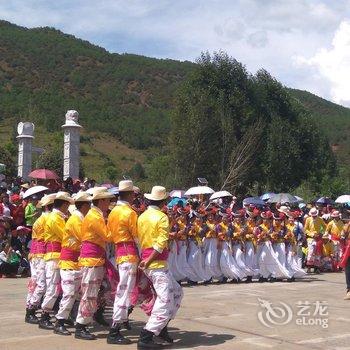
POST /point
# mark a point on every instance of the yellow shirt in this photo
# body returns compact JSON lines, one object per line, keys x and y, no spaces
{"x":153,"y":232}
{"x":54,"y":230}
{"x":94,"y":229}
{"x":314,"y":226}
{"x":122,"y":224}
{"x":237,"y":231}
{"x":211,"y":233}
{"x":72,"y":239}
{"x":38,"y":230}
{"x":327,"y":249}
{"x":335,"y":228}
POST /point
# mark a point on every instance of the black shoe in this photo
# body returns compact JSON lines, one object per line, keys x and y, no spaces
{"x":262,"y":279}
{"x":146,"y":341}
{"x":130,"y":310}
{"x":115,"y":337}
{"x":69,"y":322}
{"x":272,"y":279}
{"x":60,"y":328}
{"x":31,"y":317}
{"x":81,"y":332}
{"x":165,"y":335}
{"x":126,"y":325}
{"x":45,"y":322}
{"x":99,"y":318}
{"x":249,"y":279}
{"x":292,"y":279}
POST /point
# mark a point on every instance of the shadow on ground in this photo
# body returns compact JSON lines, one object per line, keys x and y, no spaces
{"x":182,"y":339}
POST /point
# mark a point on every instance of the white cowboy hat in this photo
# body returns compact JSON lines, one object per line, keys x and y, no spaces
{"x":126,"y":186}
{"x":313,"y":212}
{"x":102,"y":193}
{"x":82,"y":196}
{"x":46,"y":200}
{"x":64,"y":196}
{"x":335,"y":214}
{"x":92,"y":190}
{"x":158,"y":193}
{"x":285,"y":210}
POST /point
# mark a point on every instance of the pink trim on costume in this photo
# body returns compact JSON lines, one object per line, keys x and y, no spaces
{"x":40,"y":247}
{"x":53,"y":247}
{"x":69,"y":254}
{"x":126,"y":248}
{"x":34,"y":247}
{"x":145,"y":254}
{"x":91,"y":250}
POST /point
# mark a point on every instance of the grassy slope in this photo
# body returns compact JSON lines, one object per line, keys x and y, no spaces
{"x":124,"y":100}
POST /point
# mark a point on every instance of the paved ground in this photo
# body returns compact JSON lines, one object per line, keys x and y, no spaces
{"x":214,"y":317}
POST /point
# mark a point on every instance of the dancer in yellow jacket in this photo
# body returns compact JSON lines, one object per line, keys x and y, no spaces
{"x":153,"y":232}
{"x":37,"y":283}
{"x":94,"y":235}
{"x":122,"y":224}
{"x":334,"y":229}
{"x":54,"y":230}
{"x":69,"y":266}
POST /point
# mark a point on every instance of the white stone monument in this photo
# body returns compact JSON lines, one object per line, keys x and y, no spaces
{"x":25,"y":139}
{"x":71,"y":152}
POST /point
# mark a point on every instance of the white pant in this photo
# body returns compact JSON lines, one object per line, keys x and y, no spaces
{"x":33,"y":279}
{"x":40,"y":285}
{"x":90,"y":286}
{"x":53,"y":279}
{"x":127,"y":279}
{"x":169,"y":296}
{"x":70,"y":282}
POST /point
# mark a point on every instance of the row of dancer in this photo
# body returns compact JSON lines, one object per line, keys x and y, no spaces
{"x":68,"y":262}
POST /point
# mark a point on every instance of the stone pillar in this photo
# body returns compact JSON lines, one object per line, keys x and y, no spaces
{"x":25,"y":138}
{"x":71,"y":152}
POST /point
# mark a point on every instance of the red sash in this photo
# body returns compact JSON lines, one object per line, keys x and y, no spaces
{"x":53,"y":247}
{"x":40,"y":247}
{"x":69,"y":254}
{"x":145,"y":254}
{"x":126,"y":248}
{"x":34,"y":247}
{"x":91,"y":250}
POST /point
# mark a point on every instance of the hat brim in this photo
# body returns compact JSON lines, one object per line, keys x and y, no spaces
{"x":102,"y":196}
{"x":151,"y":198}
{"x":133,"y":189}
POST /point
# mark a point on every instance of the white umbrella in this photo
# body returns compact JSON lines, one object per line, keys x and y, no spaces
{"x":301,"y":200}
{"x":199,"y":190}
{"x":34,"y":190}
{"x":345,"y":198}
{"x":220,"y":194}
{"x":176,"y":193}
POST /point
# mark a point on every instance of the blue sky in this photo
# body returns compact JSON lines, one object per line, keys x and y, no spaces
{"x":303,"y":43}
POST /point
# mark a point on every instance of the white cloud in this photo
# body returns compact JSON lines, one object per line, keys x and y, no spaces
{"x":333,"y":64}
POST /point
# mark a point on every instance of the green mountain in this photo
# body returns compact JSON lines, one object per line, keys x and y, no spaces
{"x":124,"y":100}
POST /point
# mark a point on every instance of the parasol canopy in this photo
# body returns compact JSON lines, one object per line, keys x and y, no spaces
{"x":254,"y":201}
{"x":199,"y":190}
{"x":177,"y":201}
{"x":267,"y":196}
{"x":325,"y":201}
{"x":300,"y":200}
{"x":283,"y":198}
{"x":345,"y":198}
{"x":176,"y":193}
{"x":43,"y":174}
{"x":34,"y":190}
{"x":220,"y":194}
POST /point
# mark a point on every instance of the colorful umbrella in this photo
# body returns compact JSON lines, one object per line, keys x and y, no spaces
{"x":267,"y":196}
{"x":345,"y":198}
{"x":254,"y":201}
{"x":34,"y":190}
{"x":199,"y":190}
{"x":43,"y":174}
{"x":220,"y":194}
{"x":283,"y":198}
{"x":325,"y":201}
{"x":176,"y":193}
